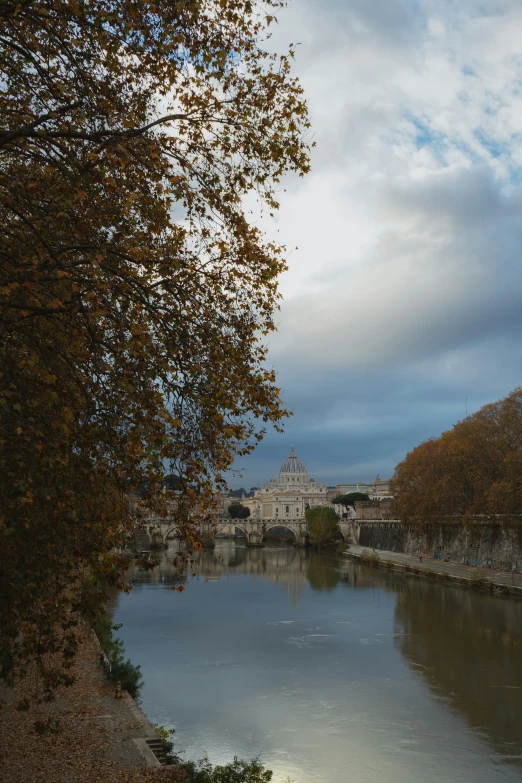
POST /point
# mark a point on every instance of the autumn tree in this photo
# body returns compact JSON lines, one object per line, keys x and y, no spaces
{"x":135,"y":290}
{"x":323,"y":525}
{"x":474,"y":468}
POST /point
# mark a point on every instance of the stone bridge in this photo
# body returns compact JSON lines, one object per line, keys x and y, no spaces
{"x":492,"y":539}
{"x":161,"y":530}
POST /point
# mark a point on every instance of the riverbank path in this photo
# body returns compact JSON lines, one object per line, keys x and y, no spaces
{"x":452,"y":569}
{"x":85,"y":735}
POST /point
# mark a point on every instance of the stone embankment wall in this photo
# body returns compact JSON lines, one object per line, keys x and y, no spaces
{"x":483,"y":542}
{"x":381,"y":535}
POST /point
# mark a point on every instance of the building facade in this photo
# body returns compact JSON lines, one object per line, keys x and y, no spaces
{"x":378,"y":489}
{"x":288,"y":495}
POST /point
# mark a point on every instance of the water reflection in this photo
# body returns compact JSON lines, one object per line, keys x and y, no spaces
{"x":323,"y":572}
{"x":286,"y":565}
{"x":302,"y":656}
{"x":467,"y":647}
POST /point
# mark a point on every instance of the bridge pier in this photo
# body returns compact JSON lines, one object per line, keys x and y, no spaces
{"x":156,"y":540}
{"x":302,"y":538}
{"x":255,"y":538}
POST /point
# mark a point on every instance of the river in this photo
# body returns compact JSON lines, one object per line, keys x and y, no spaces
{"x":330,"y":670}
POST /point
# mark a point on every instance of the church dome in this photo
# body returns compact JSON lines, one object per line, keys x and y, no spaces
{"x":293,"y":465}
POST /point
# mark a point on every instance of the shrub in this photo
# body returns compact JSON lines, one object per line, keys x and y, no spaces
{"x":238,"y":771}
{"x":168,"y":745}
{"x":370,"y":558}
{"x":128,"y":675}
{"x":123,"y":670}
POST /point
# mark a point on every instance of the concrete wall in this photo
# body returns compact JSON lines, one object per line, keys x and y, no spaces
{"x":493,"y":540}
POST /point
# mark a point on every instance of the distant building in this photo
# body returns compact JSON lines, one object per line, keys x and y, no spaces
{"x":289,"y":494}
{"x":346,"y":489}
{"x":378,"y":489}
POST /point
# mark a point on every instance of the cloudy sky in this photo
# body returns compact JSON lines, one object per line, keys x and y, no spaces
{"x":404,"y":296}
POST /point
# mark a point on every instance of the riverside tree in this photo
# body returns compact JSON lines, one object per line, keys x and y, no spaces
{"x":474,"y":468}
{"x":238,"y":511}
{"x":135,"y":294}
{"x":323,"y":525}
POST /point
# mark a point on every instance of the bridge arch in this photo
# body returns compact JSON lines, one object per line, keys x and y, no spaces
{"x":279,"y":526}
{"x":169,"y":533}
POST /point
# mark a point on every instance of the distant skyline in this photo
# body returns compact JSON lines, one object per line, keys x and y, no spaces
{"x":404,"y":296}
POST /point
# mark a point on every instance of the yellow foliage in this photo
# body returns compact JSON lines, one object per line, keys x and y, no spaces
{"x":133,"y":289}
{"x":474,"y":468}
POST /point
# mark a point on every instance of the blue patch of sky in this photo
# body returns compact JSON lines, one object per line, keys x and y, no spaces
{"x":425,"y":136}
{"x":494,"y":147}
{"x":439,"y":143}
{"x":515,"y":177}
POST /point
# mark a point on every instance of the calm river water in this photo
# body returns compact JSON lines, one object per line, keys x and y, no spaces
{"x":330,"y":670}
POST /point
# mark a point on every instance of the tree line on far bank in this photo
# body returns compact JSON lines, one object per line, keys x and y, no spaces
{"x":475,"y":468}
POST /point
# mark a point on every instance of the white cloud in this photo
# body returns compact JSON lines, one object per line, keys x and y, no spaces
{"x":409,"y":228}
